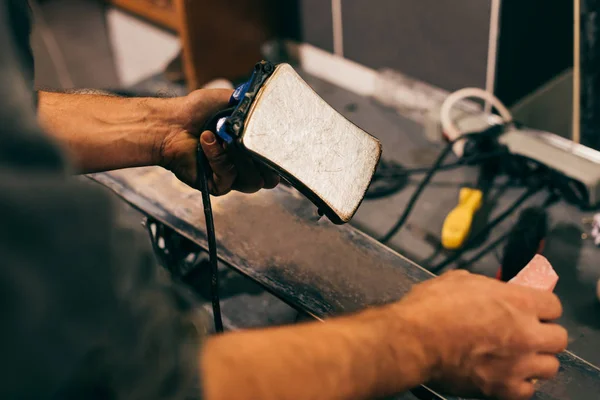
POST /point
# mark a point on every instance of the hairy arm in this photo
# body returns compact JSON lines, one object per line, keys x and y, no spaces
{"x":103,"y":132}
{"x":485,"y":339}
{"x":375,"y":353}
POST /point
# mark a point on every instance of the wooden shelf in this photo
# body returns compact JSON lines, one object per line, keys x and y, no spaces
{"x":220,"y":39}
{"x":161,"y":12}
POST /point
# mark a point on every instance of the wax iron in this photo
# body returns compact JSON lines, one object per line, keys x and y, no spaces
{"x":280,"y":121}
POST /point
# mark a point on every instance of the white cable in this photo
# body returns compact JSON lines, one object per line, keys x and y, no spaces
{"x":449,"y":127}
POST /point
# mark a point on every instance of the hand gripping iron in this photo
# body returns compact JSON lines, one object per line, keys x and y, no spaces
{"x":280,"y":121}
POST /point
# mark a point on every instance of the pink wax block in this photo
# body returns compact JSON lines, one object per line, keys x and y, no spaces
{"x":538,"y":274}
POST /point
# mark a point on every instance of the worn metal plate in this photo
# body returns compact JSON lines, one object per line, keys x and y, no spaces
{"x":324,"y":269}
{"x":289,"y":123}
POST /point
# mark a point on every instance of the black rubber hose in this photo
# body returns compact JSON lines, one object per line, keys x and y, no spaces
{"x":204,"y":173}
{"x":203,"y":170}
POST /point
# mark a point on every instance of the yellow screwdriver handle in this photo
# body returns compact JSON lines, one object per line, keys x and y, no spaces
{"x":457,"y":225}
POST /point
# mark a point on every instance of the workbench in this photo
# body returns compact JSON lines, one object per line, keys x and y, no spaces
{"x":325,"y":270}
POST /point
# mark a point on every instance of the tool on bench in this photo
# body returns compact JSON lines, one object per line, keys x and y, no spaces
{"x":278,"y":120}
{"x":525,"y":240}
{"x":458,"y":223}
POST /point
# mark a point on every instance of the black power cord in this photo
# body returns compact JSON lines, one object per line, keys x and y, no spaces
{"x":411,"y":203}
{"x":436,"y":167}
{"x":482,"y":253}
{"x":202,"y":161}
{"x":483,"y":232}
{"x":391,"y":177}
{"x":391,"y":169}
{"x":204,"y":174}
{"x":525,"y":240}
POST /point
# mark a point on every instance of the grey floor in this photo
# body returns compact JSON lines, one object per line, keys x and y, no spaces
{"x":89,"y":60}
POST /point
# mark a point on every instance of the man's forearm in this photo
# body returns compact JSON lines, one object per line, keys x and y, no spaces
{"x":103,"y":132}
{"x":358,"y":357}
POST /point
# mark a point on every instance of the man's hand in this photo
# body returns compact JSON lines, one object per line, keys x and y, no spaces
{"x":486,"y":337}
{"x":461,"y":333}
{"x":102,"y":133}
{"x":231,"y":170}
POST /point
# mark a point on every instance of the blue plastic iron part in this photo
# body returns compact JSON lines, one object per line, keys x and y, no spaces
{"x":229,"y":124}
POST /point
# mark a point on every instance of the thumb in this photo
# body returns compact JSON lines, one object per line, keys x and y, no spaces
{"x":224,"y":171}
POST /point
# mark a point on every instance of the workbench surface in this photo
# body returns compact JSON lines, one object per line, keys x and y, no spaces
{"x":276,"y":238}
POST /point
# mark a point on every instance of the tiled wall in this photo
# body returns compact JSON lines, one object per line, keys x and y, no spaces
{"x":445,"y":42}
